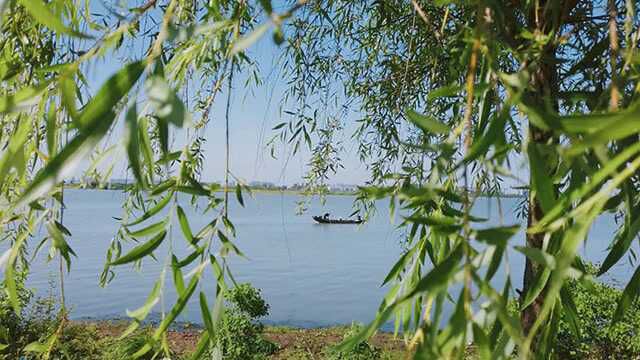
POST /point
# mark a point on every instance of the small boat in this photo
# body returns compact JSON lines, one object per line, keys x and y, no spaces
{"x":326,"y":220}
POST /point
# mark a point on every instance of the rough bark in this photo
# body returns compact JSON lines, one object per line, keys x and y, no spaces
{"x":544,"y":86}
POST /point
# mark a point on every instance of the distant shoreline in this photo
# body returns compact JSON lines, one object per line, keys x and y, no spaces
{"x":120,"y":186}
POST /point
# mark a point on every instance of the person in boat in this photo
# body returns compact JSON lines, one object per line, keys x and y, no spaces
{"x":359,"y":218}
{"x":326,"y":216}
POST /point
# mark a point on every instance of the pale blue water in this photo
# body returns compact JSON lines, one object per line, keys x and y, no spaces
{"x":311,"y":275}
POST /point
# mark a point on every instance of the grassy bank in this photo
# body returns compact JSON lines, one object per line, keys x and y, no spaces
{"x":99,"y":340}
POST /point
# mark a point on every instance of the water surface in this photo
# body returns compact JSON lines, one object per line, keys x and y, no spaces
{"x":311,"y":275}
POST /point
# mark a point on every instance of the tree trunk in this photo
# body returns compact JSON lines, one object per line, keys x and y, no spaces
{"x":544,"y":86}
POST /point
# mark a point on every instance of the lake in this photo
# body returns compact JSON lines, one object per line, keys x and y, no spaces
{"x":311,"y":275}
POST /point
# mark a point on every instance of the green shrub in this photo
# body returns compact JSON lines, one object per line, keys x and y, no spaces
{"x":596,"y":304}
{"x":240,"y":333}
{"x":116,"y":349}
{"x":37,"y":320}
{"x":80,"y":342}
{"x":362,"y":351}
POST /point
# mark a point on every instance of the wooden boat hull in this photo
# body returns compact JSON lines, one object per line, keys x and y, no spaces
{"x":321,"y":220}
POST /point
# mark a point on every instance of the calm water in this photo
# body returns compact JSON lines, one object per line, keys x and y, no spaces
{"x":311,"y":275}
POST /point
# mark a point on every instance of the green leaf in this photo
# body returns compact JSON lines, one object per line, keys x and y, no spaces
{"x":96,"y":118}
{"x":141,"y":251}
{"x":145,"y":142}
{"x":16,"y":145}
{"x":152,"y":299}
{"x":9,"y":274}
{"x":150,"y":230}
{"x":239,"y":195}
{"x":166,"y":103}
{"x":68,"y":91}
{"x":618,"y":126}
{"x":481,"y":342}
{"x":227,"y":244}
{"x":426,"y":123}
{"x":481,"y":146}
{"x":629,"y":295}
{"x":438,"y":278}
{"x":206,"y":314}
{"x":202,"y":346}
{"x":133,"y":144}
{"x":570,"y":311}
{"x":178,"y":279}
{"x":193,"y":190}
{"x":536,"y":288}
{"x":171,"y":316}
{"x":248,"y":40}
{"x":191,"y":257}
{"x":52,"y":131}
{"x":497,"y":235}
{"x":440,"y":222}
{"x":60,"y":243}
{"x":597,"y":178}
{"x":110,"y":94}
{"x":399,"y":265}
{"x":266,"y":5}
{"x":444,"y":91}
{"x":163,"y":187}
{"x":40,"y":11}
{"x":154,"y":210}
{"x":22,"y":98}
{"x":184,"y":225}
{"x":538,"y":255}
{"x":621,"y":244}
{"x":542,"y":179}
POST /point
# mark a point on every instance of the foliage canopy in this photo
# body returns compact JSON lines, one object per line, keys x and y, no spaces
{"x":454,"y":96}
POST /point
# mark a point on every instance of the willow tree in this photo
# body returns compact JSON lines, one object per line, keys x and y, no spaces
{"x":151,"y":114}
{"x":488,"y":86}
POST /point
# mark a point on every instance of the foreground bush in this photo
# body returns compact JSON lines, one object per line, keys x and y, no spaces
{"x":362,"y":351}
{"x":599,"y":338}
{"x":240,"y":332}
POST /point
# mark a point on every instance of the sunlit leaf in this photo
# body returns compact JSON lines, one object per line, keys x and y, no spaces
{"x":248,"y":40}
{"x":161,"y":204}
{"x":40,"y":11}
{"x":141,"y":251}
{"x":150,"y":229}
{"x":133,"y":144}
{"x":630,"y":294}
{"x":426,"y":123}
{"x":184,"y":225}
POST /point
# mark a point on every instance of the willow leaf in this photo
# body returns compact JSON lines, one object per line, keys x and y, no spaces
{"x":248,"y":40}
{"x":497,"y":235}
{"x":132,"y":142}
{"x":439,"y":276}
{"x":570,"y":311}
{"x":621,"y":244}
{"x":96,"y":119}
{"x":152,"y":299}
{"x":178,"y":279}
{"x":40,"y":11}
{"x":16,"y":145}
{"x":426,"y":123}
{"x":630,"y":294}
{"x":542,"y":181}
{"x":111,"y":93}
{"x":154,"y":210}
{"x":206,"y":314}
{"x":538,"y":255}
{"x":184,"y":225}
{"x":150,"y":230}
{"x":141,"y":251}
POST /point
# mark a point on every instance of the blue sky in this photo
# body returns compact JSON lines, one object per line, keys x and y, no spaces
{"x":253,"y":113}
